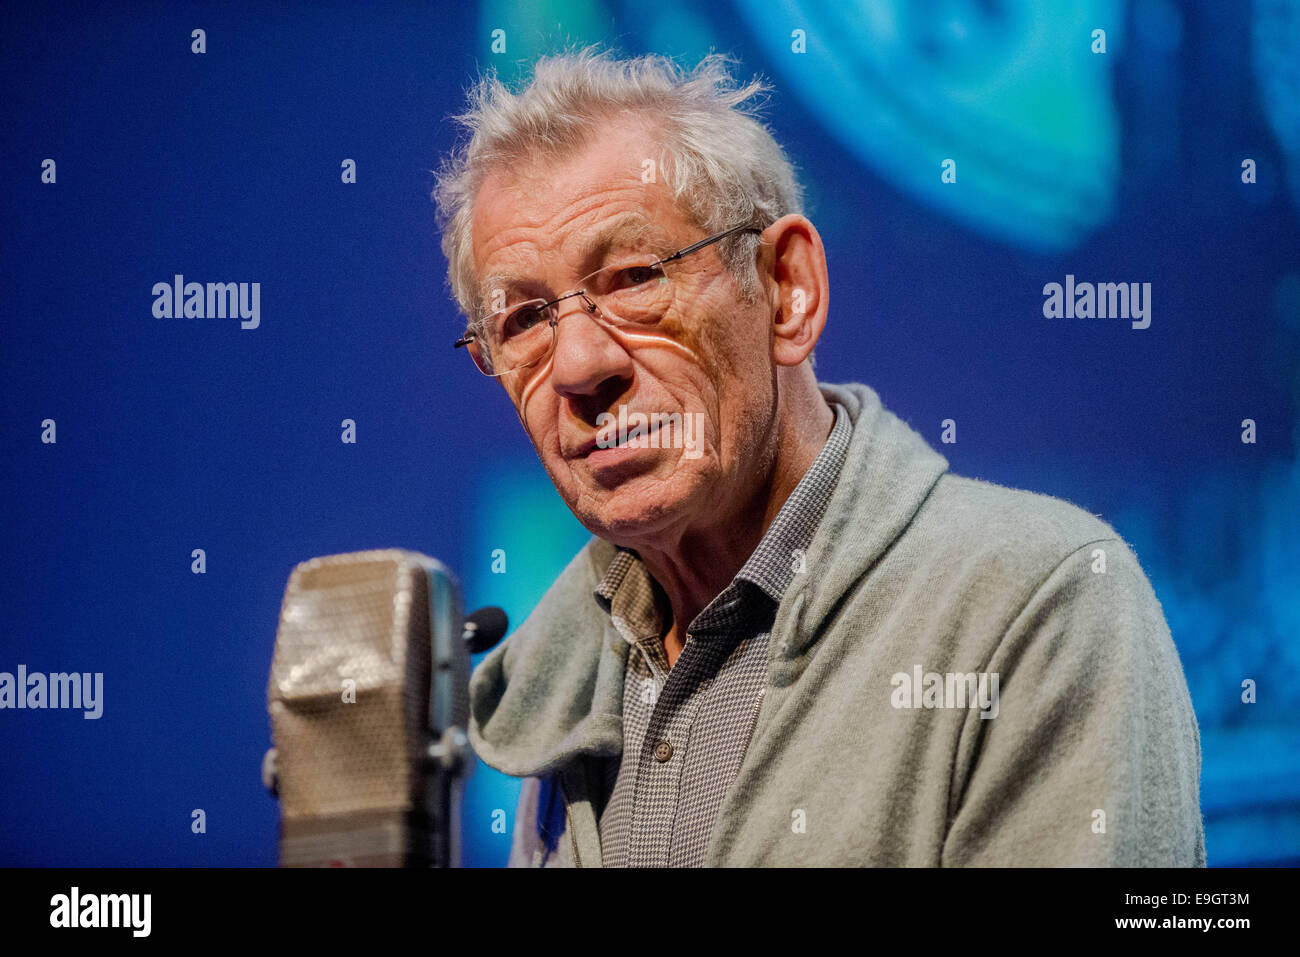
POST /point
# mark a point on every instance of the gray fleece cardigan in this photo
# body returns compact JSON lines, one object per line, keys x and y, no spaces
{"x":1092,"y":758}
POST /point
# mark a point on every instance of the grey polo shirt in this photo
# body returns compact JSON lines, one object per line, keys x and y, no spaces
{"x":685,"y":729}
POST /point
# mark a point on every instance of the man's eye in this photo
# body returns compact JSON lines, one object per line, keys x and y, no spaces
{"x":633,"y":276}
{"x":524,"y":318}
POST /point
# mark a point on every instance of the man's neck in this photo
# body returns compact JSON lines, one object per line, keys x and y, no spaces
{"x":702,"y":563}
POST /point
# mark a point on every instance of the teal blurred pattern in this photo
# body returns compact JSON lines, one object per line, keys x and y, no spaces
{"x":1012,"y":91}
{"x":1275,"y":35}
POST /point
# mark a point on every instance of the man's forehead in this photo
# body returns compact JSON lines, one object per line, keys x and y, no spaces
{"x":608,"y":170}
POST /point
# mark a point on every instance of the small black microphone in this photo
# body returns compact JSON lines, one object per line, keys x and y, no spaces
{"x":484,"y":628}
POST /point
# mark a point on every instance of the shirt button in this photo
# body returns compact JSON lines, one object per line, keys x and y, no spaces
{"x":663,"y":751}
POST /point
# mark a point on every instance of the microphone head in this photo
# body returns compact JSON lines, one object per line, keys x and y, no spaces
{"x":484,"y":628}
{"x":366,"y":642}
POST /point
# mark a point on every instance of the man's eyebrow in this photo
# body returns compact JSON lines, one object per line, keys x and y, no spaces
{"x":628,"y":230}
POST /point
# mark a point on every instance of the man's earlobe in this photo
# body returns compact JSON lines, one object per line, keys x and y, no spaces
{"x":798,"y":322}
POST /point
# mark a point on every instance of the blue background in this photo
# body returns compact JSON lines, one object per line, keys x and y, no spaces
{"x":176,"y":434}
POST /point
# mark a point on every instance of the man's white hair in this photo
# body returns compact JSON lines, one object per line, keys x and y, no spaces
{"x":718,"y":160}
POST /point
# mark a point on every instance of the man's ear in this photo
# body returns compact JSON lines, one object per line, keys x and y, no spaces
{"x":799,"y":287}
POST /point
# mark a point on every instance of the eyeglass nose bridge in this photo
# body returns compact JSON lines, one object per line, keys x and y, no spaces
{"x":589,"y":306}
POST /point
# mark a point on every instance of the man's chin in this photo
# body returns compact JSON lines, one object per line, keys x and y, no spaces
{"x":635,"y":510}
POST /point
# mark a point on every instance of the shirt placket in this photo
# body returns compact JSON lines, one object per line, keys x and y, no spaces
{"x":663,"y":754}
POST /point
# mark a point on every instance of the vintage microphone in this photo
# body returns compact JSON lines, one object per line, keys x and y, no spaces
{"x":368,"y":701}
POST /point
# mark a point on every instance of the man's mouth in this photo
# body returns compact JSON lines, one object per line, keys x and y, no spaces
{"x":633,"y":437}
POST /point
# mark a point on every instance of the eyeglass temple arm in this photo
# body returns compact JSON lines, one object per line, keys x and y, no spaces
{"x":694,"y":247}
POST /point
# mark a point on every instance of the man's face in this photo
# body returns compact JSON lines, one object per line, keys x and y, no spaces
{"x":710,"y":358}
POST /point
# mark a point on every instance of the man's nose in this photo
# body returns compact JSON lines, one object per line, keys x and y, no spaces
{"x":587,"y":355}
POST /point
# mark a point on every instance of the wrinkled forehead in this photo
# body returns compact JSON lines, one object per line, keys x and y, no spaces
{"x":554,"y":215}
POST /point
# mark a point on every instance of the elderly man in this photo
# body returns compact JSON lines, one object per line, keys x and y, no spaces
{"x":795,"y":638}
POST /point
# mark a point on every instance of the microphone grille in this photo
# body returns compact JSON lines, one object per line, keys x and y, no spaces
{"x":349,"y":688}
